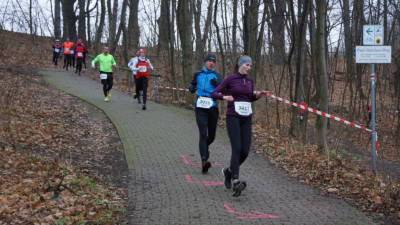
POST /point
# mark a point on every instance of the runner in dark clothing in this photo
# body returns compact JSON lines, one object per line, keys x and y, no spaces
{"x":57,"y":48}
{"x":239,"y":87}
{"x":205,"y":81}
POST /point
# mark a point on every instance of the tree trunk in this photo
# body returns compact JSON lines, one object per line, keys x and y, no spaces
{"x":234,"y":27}
{"x":301,"y":64}
{"x":122,"y":26}
{"x":201,"y":39}
{"x":89,"y":38}
{"x":278,"y":33}
{"x":133,"y":26}
{"x":82,"y":21}
{"x":69,"y":19}
{"x":57,"y":18}
{"x":184,"y":19}
{"x":163,"y":21}
{"x":113,"y":28}
{"x":323,"y":75}
{"x":221,"y":50}
{"x":99,"y":31}
{"x":250,"y":32}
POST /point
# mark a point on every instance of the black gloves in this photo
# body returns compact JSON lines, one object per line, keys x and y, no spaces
{"x":214,"y":82}
{"x":192,"y":88}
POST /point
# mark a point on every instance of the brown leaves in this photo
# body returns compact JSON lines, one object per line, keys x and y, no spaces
{"x":45,"y":137}
{"x":336,"y":174}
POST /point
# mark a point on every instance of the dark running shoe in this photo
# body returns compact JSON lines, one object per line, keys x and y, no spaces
{"x":238,"y":187}
{"x":205,"y":166}
{"x":144,"y":107}
{"x":228,"y":178}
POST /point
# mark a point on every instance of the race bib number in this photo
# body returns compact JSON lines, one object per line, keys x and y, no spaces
{"x":67,"y":49}
{"x":243,"y":108}
{"x":142,"y":69}
{"x":204,"y":102}
{"x":72,"y":51}
{"x":103,"y":76}
{"x":80,"y":54}
{"x":57,"y":50}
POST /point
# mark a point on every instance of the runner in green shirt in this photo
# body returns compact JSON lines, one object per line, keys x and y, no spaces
{"x":106,"y":62}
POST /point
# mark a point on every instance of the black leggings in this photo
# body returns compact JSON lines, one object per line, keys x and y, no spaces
{"x":239,"y":131}
{"x":207,"y":122}
{"x":107,"y":83}
{"x":79,"y":64}
{"x":141,"y":85}
{"x":67,"y":60}
{"x":55,"y":57}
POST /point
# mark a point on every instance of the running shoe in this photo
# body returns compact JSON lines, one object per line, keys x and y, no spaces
{"x":238,"y":187}
{"x":205,"y":166}
{"x":139,"y":101}
{"x":106,"y":99}
{"x":108,"y":94}
{"x":228,"y":178}
{"x":144,"y":107}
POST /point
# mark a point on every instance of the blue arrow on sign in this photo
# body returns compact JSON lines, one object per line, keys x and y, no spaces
{"x":369,"y":31}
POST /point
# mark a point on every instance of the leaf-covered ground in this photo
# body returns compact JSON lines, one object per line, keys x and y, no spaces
{"x":61,"y":159}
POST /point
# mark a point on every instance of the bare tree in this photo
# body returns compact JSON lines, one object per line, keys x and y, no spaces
{"x":201,"y":39}
{"x":133,"y":26}
{"x":57,"y":18}
{"x":185,"y":21}
{"x":113,"y":27}
{"x":81,"y":20}
{"x":323,"y":75}
{"x":69,"y":19}
{"x":99,"y":31}
{"x":163,"y":22}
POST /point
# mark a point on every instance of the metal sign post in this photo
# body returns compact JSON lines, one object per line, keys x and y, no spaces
{"x":375,"y":53}
{"x":373,"y":118}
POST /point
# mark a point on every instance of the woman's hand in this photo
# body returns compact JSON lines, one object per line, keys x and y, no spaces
{"x":228,"y":98}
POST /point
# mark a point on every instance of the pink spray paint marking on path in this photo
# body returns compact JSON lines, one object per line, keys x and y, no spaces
{"x":197,"y":164}
{"x":204,"y":183}
{"x":256,"y":215}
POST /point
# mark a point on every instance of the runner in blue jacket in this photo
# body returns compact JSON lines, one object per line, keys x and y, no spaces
{"x":203,"y":83}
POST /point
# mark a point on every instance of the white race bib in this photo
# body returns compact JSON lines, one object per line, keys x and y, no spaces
{"x":243,"y":108}
{"x":204,"y":102}
{"x":80,"y":54}
{"x":57,"y":50}
{"x":142,"y":69}
{"x":103,"y":76}
{"x":67,"y":49}
{"x":72,"y":52}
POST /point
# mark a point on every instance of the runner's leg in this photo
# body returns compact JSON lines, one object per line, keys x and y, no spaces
{"x":104,"y":82}
{"x":212,"y":126}
{"x":144,"y":87}
{"x":110,"y":81}
{"x":245,"y":134}
{"x":202,"y":122}
{"x":233,"y":126}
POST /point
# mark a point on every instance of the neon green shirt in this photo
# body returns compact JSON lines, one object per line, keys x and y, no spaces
{"x":105,"y":61}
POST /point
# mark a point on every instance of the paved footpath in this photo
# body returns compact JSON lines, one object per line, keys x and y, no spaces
{"x":166,"y":185}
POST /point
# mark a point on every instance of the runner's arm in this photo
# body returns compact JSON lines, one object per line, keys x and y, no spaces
{"x":151,"y":66}
{"x":133,"y":66}
{"x":193,"y":83}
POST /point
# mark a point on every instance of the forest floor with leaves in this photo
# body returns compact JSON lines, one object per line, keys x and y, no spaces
{"x":62,"y":161}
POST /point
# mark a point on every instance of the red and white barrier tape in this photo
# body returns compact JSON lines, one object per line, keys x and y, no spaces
{"x":301,"y":107}
{"x":171,"y":88}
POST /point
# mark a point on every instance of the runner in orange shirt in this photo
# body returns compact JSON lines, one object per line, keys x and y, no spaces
{"x":67,"y":46}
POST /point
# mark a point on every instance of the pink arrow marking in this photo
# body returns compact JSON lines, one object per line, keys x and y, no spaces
{"x":197,"y":164}
{"x":257,"y":215}
{"x":205,"y":183}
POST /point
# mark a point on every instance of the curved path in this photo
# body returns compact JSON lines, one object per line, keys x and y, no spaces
{"x":166,"y":185}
